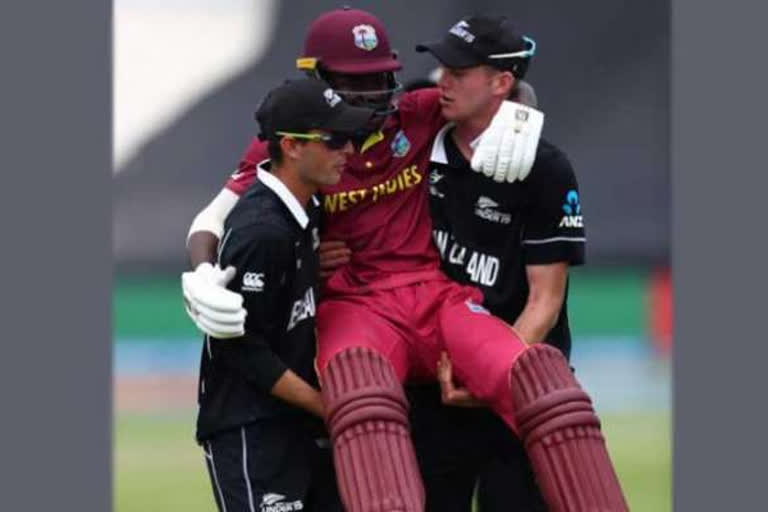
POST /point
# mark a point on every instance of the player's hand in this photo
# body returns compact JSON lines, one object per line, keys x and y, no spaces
{"x":451,"y":395}
{"x":215,"y":310}
{"x":332,"y":255}
{"x":505,"y":151}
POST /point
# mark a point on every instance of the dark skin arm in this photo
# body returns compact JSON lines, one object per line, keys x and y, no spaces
{"x":296,"y":391}
{"x":201,"y":248}
{"x":332,"y":254}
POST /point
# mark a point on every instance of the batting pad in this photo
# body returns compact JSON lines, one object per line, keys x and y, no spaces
{"x":562,"y":436}
{"x":367,"y":417}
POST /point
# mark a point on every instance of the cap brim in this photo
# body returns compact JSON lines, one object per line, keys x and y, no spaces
{"x":362,"y":66}
{"x":349,"y":119}
{"x":450,"y":55}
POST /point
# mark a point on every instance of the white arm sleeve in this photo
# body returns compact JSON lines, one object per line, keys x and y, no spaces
{"x":211,"y":218}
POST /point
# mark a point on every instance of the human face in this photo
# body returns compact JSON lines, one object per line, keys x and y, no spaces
{"x":371,"y":90}
{"x":361,"y":89}
{"x":321,"y":162}
{"x":469,"y":93}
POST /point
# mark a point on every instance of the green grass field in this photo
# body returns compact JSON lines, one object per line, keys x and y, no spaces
{"x":159,"y":467}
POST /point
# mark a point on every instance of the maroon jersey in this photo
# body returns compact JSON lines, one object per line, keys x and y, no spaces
{"x":380,"y":207}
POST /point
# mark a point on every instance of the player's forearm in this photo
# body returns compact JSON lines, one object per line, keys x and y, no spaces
{"x":293,"y":389}
{"x":207,"y":227}
{"x":546,"y":294}
{"x":201,"y":247}
{"x":536,"y":320}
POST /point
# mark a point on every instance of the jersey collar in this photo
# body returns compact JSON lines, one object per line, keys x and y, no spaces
{"x":438,"y":146}
{"x":286,"y":196}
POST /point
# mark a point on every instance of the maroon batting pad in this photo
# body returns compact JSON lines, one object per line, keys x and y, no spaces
{"x":367,"y":417}
{"x":562,"y":436}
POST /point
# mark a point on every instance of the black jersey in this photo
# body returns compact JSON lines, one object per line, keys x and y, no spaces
{"x":272,"y":241}
{"x":487,"y":232}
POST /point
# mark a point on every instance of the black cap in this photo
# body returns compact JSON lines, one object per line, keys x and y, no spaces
{"x":478,"y":40}
{"x":309,"y":104}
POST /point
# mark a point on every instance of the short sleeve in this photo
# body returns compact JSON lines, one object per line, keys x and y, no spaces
{"x":553,"y":225}
{"x":422,"y":107}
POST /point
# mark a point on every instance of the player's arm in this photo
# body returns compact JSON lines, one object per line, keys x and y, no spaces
{"x":215,"y":310}
{"x":254,"y":359}
{"x":332,"y":255}
{"x":546,"y":284}
{"x":293,"y":389}
{"x":207,"y":227}
{"x":266,"y":258}
{"x":553,"y":239}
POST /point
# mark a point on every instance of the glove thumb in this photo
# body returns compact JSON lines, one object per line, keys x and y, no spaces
{"x":228,"y":275}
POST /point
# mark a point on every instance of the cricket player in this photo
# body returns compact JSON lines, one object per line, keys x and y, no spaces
{"x":514,"y":241}
{"x":260,"y":409}
{"x":389,"y":313}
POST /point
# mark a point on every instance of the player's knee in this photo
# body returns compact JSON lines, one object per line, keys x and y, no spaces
{"x":546,"y":396}
{"x":561,"y":432}
{"x":360,"y":385}
{"x":367,"y":413}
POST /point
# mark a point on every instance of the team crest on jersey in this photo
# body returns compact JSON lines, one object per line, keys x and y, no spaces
{"x":400,"y":144}
{"x":365,"y":37}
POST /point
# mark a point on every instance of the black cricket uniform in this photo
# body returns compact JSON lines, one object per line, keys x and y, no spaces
{"x":262,"y":453}
{"x":486,"y":233}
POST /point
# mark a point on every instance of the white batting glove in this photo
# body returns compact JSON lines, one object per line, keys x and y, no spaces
{"x":215,"y":310}
{"x":505,"y":151}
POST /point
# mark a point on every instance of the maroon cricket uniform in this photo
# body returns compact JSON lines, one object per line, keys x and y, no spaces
{"x":388,"y":314}
{"x":392,"y":297}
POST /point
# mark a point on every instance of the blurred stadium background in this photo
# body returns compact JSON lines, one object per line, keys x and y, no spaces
{"x":188,"y":76}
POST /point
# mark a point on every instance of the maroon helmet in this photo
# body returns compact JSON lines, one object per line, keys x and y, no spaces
{"x":347,"y":43}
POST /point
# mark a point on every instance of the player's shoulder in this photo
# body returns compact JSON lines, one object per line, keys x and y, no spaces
{"x":250,"y":233}
{"x":420,"y":102}
{"x":245,"y":175}
{"x":551,"y":165}
{"x":255,"y":152}
{"x":259,"y":212}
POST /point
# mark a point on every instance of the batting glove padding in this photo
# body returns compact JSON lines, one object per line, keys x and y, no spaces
{"x":213,"y":308}
{"x":506,"y":150}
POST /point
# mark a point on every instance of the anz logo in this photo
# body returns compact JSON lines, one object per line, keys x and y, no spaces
{"x":572,"y":210}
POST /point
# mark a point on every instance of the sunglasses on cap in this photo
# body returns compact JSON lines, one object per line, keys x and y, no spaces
{"x":529,"y":52}
{"x":335,"y":140}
